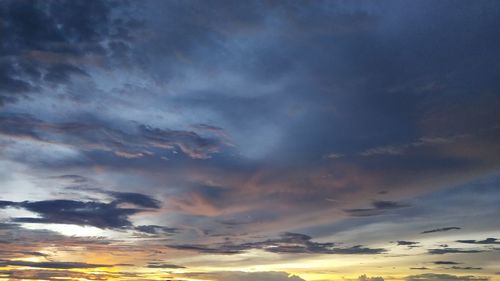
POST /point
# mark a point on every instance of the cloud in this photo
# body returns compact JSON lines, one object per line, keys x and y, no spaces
{"x":443,"y":277}
{"x":419,"y":268}
{"x":134,"y":198}
{"x":19,"y":253}
{"x":366,"y":278}
{"x":52,"y":265}
{"x":288,"y":243}
{"x":452,"y":251}
{"x":379,"y":207}
{"x":465,"y":268}
{"x":443,"y":229}
{"x":50,"y":41}
{"x":156,"y":229}
{"x":50,"y":274}
{"x":445,"y":262}
{"x":487,"y":241}
{"x":164,"y":265}
{"x":407,"y":243}
{"x":400,"y":149}
{"x":190,"y":143}
{"x":97,"y":136}
{"x":293,"y":82}
{"x":73,"y":178}
{"x":101,"y":215}
{"x":248,"y":276}
{"x":334,"y":156}
{"x":91,"y":213}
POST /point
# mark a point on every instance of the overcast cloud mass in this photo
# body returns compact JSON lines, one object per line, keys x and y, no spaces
{"x":236,"y":140}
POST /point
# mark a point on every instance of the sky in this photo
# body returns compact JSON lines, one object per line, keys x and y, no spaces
{"x":252,"y":140}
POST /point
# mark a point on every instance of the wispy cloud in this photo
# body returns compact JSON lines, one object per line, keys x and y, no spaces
{"x":443,"y":251}
{"x":379,"y":207}
{"x":442,"y":229}
{"x":288,"y":243}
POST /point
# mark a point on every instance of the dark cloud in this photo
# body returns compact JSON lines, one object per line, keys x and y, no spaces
{"x":49,"y":41}
{"x":134,"y":198}
{"x":53,"y":265}
{"x":288,"y":243}
{"x":96,"y":136}
{"x":5,"y":204}
{"x":487,"y":241}
{"x":379,"y":207}
{"x":92,"y":213}
{"x":156,"y":229}
{"x":446,"y":262}
{"x":407,"y":243}
{"x":443,"y":229}
{"x":452,"y":251}
{"x":465,"y":268}
{"x":419,"y":268}
{"x":101,"y":215}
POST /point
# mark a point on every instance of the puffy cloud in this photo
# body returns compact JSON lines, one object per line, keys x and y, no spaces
{"x":366,"y":278}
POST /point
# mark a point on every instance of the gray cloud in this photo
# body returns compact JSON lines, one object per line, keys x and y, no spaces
{"x":156,"y":229}
{"x":443,"y":251}
{"x":419,"y":268}
{"x":50,"y":41}
{"x":288,"y":243}
{"x":443,"y":229}
{"x":96,"y":136}
{"x":407,"y":243}
{"x":379,"y":207}
{"x":465,"y":268}
{"x":92,"y":213}
{"x":487,"y":241}
{"x":400,"y":149}
{"x":445,"y":262}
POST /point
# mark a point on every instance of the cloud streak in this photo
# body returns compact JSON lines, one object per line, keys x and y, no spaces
{"x":288,"y":243}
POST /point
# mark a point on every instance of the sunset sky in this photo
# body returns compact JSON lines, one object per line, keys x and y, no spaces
{"x":246,"y":140}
